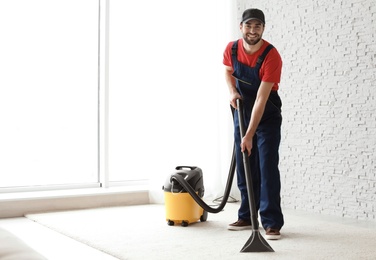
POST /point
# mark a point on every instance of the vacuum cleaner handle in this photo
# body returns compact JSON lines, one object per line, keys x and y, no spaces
{"x":247,"y":168}
{"x":185,"y":167}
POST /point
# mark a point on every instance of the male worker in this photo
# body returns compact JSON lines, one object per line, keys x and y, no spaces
{"x":253,"y":71}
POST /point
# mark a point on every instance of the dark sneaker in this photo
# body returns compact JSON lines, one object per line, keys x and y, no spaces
{"x":240,"y":225}
{"x":272,"y":234}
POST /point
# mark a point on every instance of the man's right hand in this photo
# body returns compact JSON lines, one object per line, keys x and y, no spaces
{"x":233,"y":97}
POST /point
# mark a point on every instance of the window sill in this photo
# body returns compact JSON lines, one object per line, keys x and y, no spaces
{"x":17,"y":204}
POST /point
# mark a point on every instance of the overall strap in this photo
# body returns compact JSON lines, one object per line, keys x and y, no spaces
{"x":260,"y":60}
{"x":234,"y":51}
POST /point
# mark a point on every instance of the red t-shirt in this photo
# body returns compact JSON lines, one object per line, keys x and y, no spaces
{"x":271,"y":68}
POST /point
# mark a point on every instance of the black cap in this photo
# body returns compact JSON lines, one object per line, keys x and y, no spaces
{"x":253,"y":13}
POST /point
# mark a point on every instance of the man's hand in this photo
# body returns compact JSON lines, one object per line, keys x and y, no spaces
{"x":246,"y":144}
{"x":233,"y":97}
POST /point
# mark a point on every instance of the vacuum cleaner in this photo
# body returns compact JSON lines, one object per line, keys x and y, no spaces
{"x":180,"y":206}
{"x":185,"y":187}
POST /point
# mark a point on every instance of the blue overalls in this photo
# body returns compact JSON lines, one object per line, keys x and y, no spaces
{"x":264,"y":156}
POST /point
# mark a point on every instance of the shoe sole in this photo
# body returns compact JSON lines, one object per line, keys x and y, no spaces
{"x":272,"y":237}
{"x":239,"y":228}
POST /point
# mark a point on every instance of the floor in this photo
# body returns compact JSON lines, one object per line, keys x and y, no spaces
{"x":51,"y":244}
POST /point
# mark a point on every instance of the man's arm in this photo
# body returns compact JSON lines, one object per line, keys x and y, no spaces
{"x":230,"y":80}
{"x":257,"y":112}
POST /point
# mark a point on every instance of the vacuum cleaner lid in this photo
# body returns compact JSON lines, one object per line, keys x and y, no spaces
{"x":191,"y":174}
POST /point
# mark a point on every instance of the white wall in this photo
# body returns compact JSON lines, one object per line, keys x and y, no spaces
{"x":328,"y":151}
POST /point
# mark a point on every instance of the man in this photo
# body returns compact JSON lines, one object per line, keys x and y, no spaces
{"x":253,"y":71}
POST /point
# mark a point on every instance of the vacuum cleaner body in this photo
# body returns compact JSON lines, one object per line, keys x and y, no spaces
{"x":181,"y":208}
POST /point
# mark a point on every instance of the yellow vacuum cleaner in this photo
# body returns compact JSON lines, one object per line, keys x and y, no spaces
{"x":183,"y":192}
{"x":181,"y":208}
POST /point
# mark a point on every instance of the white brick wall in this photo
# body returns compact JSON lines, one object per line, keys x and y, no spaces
{"x":328,"y":150}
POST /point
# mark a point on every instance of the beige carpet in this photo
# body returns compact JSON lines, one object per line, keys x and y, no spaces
{"x":141,"y":232}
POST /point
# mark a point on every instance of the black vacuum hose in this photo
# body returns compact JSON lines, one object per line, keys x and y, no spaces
{"x":226,"y":195}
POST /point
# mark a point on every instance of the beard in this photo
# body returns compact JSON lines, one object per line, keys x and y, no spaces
{"x":252,"y":41}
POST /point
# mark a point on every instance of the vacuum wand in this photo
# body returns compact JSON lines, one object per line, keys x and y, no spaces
{"x":247,"y":169}
{"x":255,"y":243}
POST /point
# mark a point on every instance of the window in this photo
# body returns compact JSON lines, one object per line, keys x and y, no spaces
{"x":49,"y":92}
